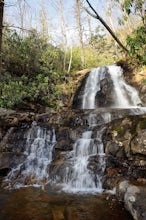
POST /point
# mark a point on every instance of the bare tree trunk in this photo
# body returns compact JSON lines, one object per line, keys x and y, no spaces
{"x":43,"y":20}
{"x":110,"y":19}
{"x":1,"y":29}
{"x":78,"y":15}
{"x":96,"y":15}
{"x":89,"y":25}
{"x":70,"y":61}
{"x":21,"y":7}
{"x":63,"y":30}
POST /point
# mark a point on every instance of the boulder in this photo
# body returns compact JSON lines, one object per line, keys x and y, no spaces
{"x":134,"y":198}
{"x":138,"y":143}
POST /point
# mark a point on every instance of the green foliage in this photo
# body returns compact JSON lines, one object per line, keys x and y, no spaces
{"x":135,"y":6}
{"x":18,"y":90}
{"x":101,"y":50}
{"x":76,"y":59}
{"x":137,"y":44}
{"x":29,"y":55}
{"x":33,"y":70}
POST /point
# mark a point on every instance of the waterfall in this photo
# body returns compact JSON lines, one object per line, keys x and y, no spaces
{"x":34,"y":170}
{"x":125,"y":95}
{"x":82,"y":168}
{"x":81,"y":177}
{"x":91,"y":87}
{"x":87,"y":163}
{"x":106,"y":87}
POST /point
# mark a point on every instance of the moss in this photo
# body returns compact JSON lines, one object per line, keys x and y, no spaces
{"x":142,"y":123}
{"x":120,"y":129}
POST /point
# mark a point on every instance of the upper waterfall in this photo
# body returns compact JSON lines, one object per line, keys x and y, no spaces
{"x":105,"y":87}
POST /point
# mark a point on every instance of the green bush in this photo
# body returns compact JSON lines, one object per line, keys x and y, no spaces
{"x":32,"y":70}
{"x":137,"y":44}
{"x":16,"y":90}
{"x":30,"y":55}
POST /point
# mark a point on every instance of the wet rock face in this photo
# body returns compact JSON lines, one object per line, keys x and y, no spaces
{"x":104,"y":96}
{"x":77,"y":100}
{"x":65,"y":139}
{"x":125,"y":146}
{"x":142,"y":92}
{"x":12,"y":148}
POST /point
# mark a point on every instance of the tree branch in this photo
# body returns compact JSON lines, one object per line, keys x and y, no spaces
{"x":17,"y":27}
{"x":96,"y":16}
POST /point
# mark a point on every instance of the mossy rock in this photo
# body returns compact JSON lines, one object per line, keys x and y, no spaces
{"x":142,"y":123}
{"x":120,"y":129}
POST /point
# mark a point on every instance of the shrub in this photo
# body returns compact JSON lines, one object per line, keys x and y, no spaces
{"x":137,"y":44}
{"x":16,"y":90}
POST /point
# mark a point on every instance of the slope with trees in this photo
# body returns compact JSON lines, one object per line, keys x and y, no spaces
{"x":38,"y":69}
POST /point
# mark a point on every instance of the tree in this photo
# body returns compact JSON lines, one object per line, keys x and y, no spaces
{"x":138,"y":6}
{"x":43,"y":20}
{"x":63,"y":31}
{"x":1,"y":28}
{"x":79,"y":25}
{"x":96,"y":16}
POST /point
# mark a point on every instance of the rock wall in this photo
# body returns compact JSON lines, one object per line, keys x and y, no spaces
{"x":125,"y":147}
{"x":124,"y":142}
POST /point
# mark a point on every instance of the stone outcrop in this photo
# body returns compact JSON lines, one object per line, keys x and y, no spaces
{"x":104,"y":97}
{"x":134,"y":198}
{"x":142,"y":92}
{"x":125,"y":144}
{"x":77,"y":100}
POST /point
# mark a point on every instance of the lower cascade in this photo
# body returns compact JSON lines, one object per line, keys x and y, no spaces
{"x":81,"y":177}
{"x":34,"y":170}
{"x":83,"y":166}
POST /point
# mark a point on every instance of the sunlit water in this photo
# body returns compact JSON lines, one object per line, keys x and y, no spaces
{"x":124,"y":95}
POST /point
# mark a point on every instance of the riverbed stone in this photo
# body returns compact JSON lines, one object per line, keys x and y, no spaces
{"x":134,"y":197}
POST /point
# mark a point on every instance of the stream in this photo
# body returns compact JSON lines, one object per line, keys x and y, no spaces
{"x":35,"y":204}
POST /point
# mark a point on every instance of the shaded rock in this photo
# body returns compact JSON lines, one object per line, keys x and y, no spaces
{"x":134,"y":198}
{"x":104,"y":97}
{"x":115,"y":149}
{"x":138,"y":144}
{"x":77,"y":100}
{"x":64,"y":140}
{"x":143,"y":98}
{"x":143,"y":89}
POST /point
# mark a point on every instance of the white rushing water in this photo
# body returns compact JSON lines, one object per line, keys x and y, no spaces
{"x":38,"y":152}
{"x":125,"y":96}
{"x":79,"y":177}
{"x":91,"y":87}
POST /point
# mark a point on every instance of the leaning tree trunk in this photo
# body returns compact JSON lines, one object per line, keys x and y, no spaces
{"x":96,"y":15}
{"x":1,"y":29}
